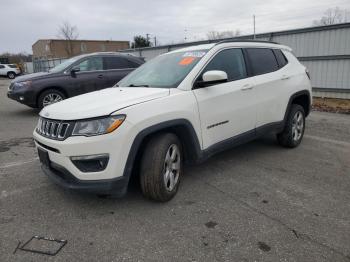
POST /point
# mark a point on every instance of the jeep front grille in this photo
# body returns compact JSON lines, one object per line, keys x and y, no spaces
{"x":53,"y":129}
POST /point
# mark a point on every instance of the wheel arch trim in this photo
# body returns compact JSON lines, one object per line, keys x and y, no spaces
{"x":46,"y":88}
{"x":171,"y":124}
{"x":293,"y":97}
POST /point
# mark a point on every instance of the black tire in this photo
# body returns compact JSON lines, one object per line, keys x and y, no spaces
{"x":11,"y":75}
{"x":293,"y":133}
{"x":46,"y":93}
{"x":155,"y":167}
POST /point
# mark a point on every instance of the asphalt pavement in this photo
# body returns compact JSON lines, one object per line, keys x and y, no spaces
{"x":256,"y":202}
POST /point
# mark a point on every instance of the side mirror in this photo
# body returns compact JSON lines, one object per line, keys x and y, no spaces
{"x":74,"y":70}
{"x":212,"y":77}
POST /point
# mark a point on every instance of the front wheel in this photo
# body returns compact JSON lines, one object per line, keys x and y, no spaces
{"x":49,"y":97}
{"x":161,"y":167}
{"x":294,"y":128}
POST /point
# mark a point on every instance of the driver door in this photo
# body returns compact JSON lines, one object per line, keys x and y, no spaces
{"x":91,"y":76}
{"x":227,"y":109}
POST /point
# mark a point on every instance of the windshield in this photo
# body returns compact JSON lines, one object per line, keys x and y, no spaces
{"x":165,"y":71}
{"x":64,"y":65}
{"x":12,"y":66}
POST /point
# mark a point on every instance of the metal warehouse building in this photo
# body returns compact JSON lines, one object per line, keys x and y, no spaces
{"x":324,"y":50}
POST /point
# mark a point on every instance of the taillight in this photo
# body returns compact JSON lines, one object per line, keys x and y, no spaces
{"x":307,"y":73}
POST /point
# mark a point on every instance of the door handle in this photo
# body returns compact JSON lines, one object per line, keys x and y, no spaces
{"x":100,"y":76}
{"x":285,"y":77}
{"x":247,"y":87}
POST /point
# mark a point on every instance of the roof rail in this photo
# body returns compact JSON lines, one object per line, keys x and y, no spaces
{"x":248,"y":40}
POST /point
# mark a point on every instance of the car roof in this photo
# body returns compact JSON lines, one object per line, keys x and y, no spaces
{"x":194,"y":48}
{"x":235,"y":43}
{"x":108,"y":54}
{"x":115,"y":54}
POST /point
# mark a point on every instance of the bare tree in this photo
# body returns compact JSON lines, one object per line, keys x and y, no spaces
{"x":333,"y":16}
{"x":69,"y":33}
{"x":213,"y":35}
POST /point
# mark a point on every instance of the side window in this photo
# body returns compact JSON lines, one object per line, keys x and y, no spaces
{"x":133,"y":64}
{"x":116,"y":63}
{"x":91,"y":64}
{"x":262,"y":60}
{"x":281,"y":59}
{"x":230,"y":61}
{"x":2,"y":66}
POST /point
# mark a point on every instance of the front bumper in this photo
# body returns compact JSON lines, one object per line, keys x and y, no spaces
{"x":23,"y":97}
{"x":111,"y":180}
{"x":62,"y":177}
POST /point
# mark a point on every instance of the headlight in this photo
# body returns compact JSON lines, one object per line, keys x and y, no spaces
{"x":98,"y":126}
{"x":18,"y":85}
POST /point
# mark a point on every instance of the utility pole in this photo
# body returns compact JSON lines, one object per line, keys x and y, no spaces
{"x":254,"y":26}
{"x":147,"y":37}
{"x":155,"y":40}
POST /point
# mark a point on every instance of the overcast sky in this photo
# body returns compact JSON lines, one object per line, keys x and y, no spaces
{"x":22,"y":22}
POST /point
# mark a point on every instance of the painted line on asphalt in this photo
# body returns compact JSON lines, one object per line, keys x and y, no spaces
{"x":20,"y":163}
{"x":328,"y":140}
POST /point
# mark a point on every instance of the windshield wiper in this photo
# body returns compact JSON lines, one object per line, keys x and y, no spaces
{"x":132,"y":85}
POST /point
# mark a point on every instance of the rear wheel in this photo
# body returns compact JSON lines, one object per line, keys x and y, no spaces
{"x":11,"y":75}
{"x":49,"y":97}
{"x":161,"y":167}
{"x":293,"y":131}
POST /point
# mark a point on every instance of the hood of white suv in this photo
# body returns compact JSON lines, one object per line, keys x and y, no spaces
{"x":101,"y":103}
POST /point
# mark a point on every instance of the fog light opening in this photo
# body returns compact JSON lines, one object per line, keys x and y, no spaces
{"x":91,"y":163}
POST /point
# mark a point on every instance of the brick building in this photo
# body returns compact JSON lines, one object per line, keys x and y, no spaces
{"x":56,"y":48}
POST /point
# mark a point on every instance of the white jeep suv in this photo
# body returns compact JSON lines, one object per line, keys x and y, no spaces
{"x":179,"y":107}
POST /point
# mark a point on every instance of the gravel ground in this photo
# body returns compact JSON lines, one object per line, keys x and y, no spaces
{"x":257,"y":202}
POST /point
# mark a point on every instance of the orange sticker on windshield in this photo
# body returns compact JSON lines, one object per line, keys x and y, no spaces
{"x":187,"y":60}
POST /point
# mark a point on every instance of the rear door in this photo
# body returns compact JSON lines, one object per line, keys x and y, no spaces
{"x":117,"y":68}
{"x":91,"y":76}
{"x":227,"y":109}
{"x":269,"y":85}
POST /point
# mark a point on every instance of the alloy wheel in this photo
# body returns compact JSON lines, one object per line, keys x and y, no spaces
{"x":297,"y":126}
{"x":172,"y":164}
{"x":51,"y":99}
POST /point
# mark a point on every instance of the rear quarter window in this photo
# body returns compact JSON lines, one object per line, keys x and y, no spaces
{"x":117,"y":63}
{"x":134,"y":64}
{"x":262,"y":60}
{"x":281,"y":58}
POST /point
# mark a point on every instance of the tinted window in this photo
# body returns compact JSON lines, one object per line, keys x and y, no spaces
{"x":91,"y":64}
{"x":262,"y":60}
{"x":133,"y":64}
{"x":281,"y":59}
{"x":117,"y":63}
{"x":1,"y":66}
{"x":12,"y":66}
{"x":230,"y":61}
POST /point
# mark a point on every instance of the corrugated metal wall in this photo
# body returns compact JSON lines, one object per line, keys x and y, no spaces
{"x":324,"y":50}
